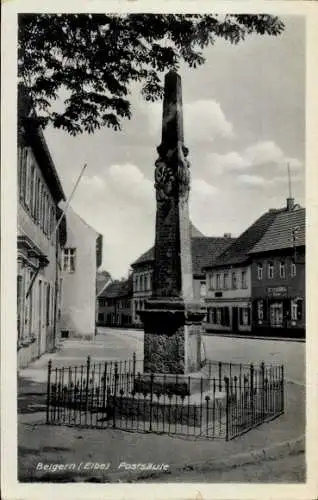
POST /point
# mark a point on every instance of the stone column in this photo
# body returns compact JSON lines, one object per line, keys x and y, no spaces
{"x":172,"y":319}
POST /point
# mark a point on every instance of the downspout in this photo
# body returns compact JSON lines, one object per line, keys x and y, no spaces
{"x":56,"y":291}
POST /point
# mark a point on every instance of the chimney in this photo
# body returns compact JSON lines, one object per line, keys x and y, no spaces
{"x":227,"y":235}
{"x":290,"y":204}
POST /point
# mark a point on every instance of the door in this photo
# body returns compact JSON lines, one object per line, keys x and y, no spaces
{"x":276,"y":314}
{"x":234,"y":319}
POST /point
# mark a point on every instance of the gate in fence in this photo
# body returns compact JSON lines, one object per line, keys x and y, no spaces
{"x":228,"y":400}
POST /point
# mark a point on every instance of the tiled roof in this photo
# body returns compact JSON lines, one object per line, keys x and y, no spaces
{"x":150,"y":254}
{"x":205,"y":250}
{"x":280,"y":234}
{"x":102,"y":278}
{"x":237,"y":253}
{"x":118,"y":289}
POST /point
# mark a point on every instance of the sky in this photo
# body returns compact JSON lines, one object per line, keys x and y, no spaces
{"x":244,"y":121}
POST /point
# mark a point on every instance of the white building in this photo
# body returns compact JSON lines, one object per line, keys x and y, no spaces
{"x":81,"y":259}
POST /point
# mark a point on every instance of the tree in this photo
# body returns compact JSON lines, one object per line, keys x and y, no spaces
{"x":93,"y":59}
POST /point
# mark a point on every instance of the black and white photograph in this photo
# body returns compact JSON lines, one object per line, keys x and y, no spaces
{"x":159,"y":273}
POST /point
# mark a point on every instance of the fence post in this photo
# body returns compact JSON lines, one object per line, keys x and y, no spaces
{"x":48,"y":390}
{"x":88,"y":365}
{"x":115,"y":393}
{"x":227,"y":407}
{"x":282,"y":389}
{"x":151,"y":397}
{"x":252,"y":390}
{"x":263,"y":389}
{"x":220,"y":376}
{"x":134,"y":365}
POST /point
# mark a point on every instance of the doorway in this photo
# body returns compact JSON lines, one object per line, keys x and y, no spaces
{"x":276,"y":314}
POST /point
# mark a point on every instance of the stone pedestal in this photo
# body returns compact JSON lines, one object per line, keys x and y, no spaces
{"x":172,"y":341}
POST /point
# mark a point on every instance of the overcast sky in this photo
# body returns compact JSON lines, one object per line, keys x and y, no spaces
{"x":244,"y":114}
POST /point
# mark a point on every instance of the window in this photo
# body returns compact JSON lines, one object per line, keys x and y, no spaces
{"x":260,"y":310}
{"x":244,"y":316}
{"x":270,"y":270}
{"x":27,"y":181}
{"x":69,"y":260}
{"x":146,"y":282}
{"x":293,"y":269}
{"x":226,"y":281}
{"x":218,"y":316}
{"x":218,"y":281}
{"x":244,"y":279}
{"x":260,"y":271}
{"x":202,"y":289}
{"x":282,"y":272}
{"x":211,"y":281}
{"x":234,"y":282}
{"x":294,"y":310}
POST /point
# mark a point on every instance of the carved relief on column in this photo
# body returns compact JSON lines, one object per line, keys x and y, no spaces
{"x":183,"y":172}
{"x":164,"y":180}
{"x":172,"y":173}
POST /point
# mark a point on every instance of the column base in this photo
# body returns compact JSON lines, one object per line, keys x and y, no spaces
{"x":172,"y":341}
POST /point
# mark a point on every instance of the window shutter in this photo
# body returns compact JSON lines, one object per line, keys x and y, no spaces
{"x":248,"y":316}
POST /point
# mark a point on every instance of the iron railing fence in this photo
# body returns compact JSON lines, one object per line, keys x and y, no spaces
{"x":226,"y":400}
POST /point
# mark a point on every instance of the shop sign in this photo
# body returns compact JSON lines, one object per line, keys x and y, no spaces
{"x":277,"y":291}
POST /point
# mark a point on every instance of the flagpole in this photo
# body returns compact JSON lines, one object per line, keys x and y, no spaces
{"x":69,"y":200}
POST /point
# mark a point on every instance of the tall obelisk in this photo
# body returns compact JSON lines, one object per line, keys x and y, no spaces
{"x":172,"y":319}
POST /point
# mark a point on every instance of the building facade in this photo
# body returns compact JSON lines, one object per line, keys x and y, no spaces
{"x":115,"y":304}
{"x":229,"y":281}
{"x":82,"y":255}
{"x":278,"y":278}
{"x":38,"y":243}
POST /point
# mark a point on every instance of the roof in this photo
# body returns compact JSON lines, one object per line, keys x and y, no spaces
{"x":237,"y":253}
{"x":103,"y":278}
{"x":149,"y":255}
{"x":280,"y":234}
{"x":118,"y":289}
{"x":205,"y":250}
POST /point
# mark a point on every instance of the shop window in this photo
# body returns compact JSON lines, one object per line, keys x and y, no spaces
{"x":244,"y":316}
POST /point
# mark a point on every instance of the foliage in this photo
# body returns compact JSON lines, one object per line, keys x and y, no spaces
{"x":92,"y":59}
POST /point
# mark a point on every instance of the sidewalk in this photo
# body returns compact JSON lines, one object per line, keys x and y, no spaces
{"x":46,"y":444}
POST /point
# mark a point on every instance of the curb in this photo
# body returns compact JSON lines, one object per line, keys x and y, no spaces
{"x":273,"y":452}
